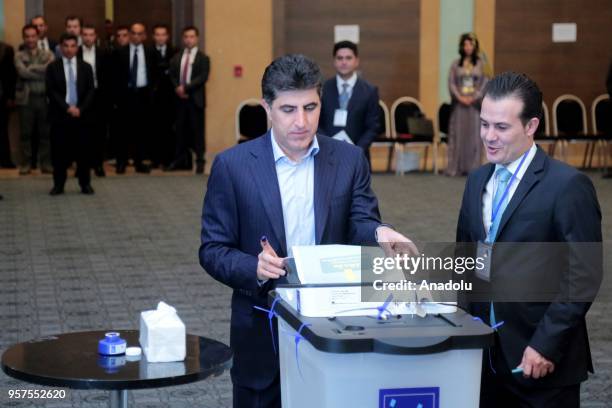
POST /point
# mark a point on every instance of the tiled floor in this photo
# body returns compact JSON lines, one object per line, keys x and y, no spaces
{"x":78,"y":262}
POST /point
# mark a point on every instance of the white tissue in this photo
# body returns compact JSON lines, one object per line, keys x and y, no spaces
{"x":162,"y":334}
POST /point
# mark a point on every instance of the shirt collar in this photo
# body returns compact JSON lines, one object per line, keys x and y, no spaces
{"x":279,"y":154}
{"x":191,"y":51}
{"x":68,"y":61}
{"x":351,"y":81}
{"x":132,"y":46}
{"x":89,"y":49}
{"x":514,"y":165}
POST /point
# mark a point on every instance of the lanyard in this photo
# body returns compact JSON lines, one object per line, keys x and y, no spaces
{"x":499,"y":204}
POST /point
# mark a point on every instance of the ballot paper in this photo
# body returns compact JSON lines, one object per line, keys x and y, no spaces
{"x":340,"y":265}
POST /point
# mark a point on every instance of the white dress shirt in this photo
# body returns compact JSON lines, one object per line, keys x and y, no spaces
{"x":351,"y":84}
{"x":67,"y":64}
{"x":89,"y":56}
{"x":162,"y":50}
{"x":487,"y":197}
{"x":43,"y":44}
{"x":188,"y":57}
{"x":141,"y":75}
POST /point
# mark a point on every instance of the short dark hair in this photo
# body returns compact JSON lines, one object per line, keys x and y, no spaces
{"x":67,"y":37}
{"x":139,"y":23}
{"x":190,"y":28}
{"x":290,"y":73}
{"x":38,"y":16}
{"x":164,"y":26}
{"x":89,"y":27}
{"x":121,"y":28}
{"x":346,"y":44}
{"x":28,"y":27}
{"x":70,"y":18}
{"x":520,"y":86}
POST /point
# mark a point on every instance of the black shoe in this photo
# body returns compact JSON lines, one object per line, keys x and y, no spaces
{"x":177,"y":165}
{"x":99,"y":171}
{"x":142,"y":168}
{"x":56,"y":191}
{"x":1,"y":198}
{"x":8,"y":165}
{"x":120,"y":168}
{"x":87,"y":190}
{"x":200,"y":168}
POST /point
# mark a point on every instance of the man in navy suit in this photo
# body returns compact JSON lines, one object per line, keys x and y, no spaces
{"x":524,"y":196}
{"x":288,"y":187}
{"x":349,"y":106}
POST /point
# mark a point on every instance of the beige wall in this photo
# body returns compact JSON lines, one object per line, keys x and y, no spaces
{"x":429,"y":56}
{"x":238,"y":32}
{"x":484,"y":27}
{"x":14,"y":19}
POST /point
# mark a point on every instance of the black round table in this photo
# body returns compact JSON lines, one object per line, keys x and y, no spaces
{"x":71,"y":360}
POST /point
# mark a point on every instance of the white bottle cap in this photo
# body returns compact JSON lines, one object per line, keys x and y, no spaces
{"x":133,"y":351}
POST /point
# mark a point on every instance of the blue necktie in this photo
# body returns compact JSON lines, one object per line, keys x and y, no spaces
{"x":72,"y":88}
{"x":503,"y":176}
{"x":344,"y":96}
{"x":134,"y":70}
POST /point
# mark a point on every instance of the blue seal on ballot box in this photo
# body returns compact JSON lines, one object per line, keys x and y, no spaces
{"x":112,"y":345}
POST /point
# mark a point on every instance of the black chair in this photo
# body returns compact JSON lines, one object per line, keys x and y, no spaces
{"x":403,"y":109}
{"x":542,"y":135}
{"x":601,"y":118}
{"x":570,"y":124}
{"x":444,"y":112}
{"x":251,"y":120}
{"x":384,"y":138}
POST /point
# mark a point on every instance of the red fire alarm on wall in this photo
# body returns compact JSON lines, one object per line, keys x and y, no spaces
{"x":237,"y":71}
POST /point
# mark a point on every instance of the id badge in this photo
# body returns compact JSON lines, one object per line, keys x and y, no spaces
{"x":340,"y":116}
{"x":484,"y":251}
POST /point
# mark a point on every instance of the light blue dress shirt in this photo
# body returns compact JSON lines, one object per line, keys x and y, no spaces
{"x":296,"y":184}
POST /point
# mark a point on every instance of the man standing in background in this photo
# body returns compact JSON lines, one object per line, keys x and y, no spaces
{"x":189,"y":73}
{"x":31,"y":64}
{"x":8,"y":76}
{"x":349,"y":106}
{"x":99,"y":61}
{"x":44,"y":42}
{"x":164,"y":143}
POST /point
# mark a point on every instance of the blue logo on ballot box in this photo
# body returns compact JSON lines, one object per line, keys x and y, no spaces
{"x":409,"y":398}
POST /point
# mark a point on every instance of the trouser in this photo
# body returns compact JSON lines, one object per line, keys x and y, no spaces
{"x":33,"y":118}
{"x":99,"y":130}
{"x":70,"y":142}
{"x":5,"y":147}
{"x":190,"y":131}
{"x":163,"y":144}
{"x":135,"y":119}
{"x":250,"y":398}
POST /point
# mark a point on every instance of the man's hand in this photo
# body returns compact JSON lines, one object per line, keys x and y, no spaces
{"x":393,"y":243}
{"x":74,"y":111}
{"x":180,"y":92}
{"x":269,"y":266}
{"x":535,"y":365}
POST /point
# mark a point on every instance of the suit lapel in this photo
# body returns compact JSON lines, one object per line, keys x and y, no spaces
{"x":324,"y":179}
{"x":482,"y":183}
{"x":333,"y":94}
{"x":530,"y":178}
{"x":267,"y":182}
{"x":354,"y":95}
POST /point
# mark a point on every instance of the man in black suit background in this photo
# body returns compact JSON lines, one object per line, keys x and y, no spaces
{"x":98,"y":58}
{"x":164,"y":143}
{"x":349,"y":107}
{"x":70,"y":89}
{"x":134,"y":78}
{"x":8,"y":80}
{"x":44,"y":42}
{"x":524,"y":196}
{"x":189,"y":73}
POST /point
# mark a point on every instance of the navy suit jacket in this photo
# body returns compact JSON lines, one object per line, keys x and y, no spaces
{"x":243,"y":202}
{"x":552,"y":203}
{"x":362,"y":123}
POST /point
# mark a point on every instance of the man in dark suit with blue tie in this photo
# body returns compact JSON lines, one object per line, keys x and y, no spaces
{"x":288,"y":187}
{"x":70,"y":89}
{"x":523,"y":196}
{"x":349,"y":106}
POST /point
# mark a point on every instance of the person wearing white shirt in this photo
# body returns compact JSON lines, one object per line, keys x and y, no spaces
{"x":350,"y":105}
{"x":70,"y":91}
{"x":135,"y":78}
{"x":44,"y":42}
{"x":163,"y":139}
{"x":189,"y":73}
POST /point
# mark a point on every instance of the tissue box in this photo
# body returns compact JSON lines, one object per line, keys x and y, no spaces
{"x":162,"y":335}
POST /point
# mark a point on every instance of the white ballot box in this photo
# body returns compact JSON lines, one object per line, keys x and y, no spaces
{"x":362,"y":361}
